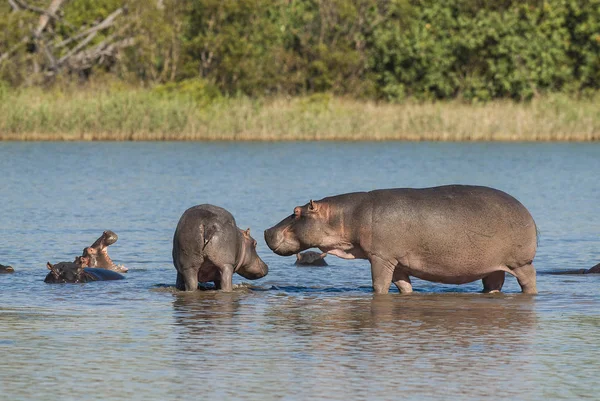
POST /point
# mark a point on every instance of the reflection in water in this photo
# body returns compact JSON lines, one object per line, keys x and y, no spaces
{"x":345,"y":347}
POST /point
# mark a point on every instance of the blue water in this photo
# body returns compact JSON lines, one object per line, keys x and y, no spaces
{"x":299,"y":333}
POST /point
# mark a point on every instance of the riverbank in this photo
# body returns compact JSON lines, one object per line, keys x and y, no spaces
{"x":148,"y":115}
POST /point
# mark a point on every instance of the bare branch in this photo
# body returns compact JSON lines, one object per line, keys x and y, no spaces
{"x":49,"y":56}
{"x":85,"y":59}
{"x":45,"y":17}
{"x":49,"y":13}
{"x":77,"y":48}
{"x":107,"y":22}
{"x":14,"y":5}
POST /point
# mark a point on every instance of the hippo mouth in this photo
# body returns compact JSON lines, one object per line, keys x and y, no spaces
{"x":281,"y":243}
{"x":108,"y":261}
{"x":107,"y":238}
{"x":98,"y":253}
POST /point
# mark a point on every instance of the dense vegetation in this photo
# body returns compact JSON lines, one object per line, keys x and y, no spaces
{"x":365,"y":49}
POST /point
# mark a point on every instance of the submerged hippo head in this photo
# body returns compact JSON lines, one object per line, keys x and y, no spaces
{"x":250,"y":264}
{"x":67,"y":272}
{"x":311,"y":258}
{"x":6,"y":269}
{"x":308,"y":227}
{"x":97,"y":253}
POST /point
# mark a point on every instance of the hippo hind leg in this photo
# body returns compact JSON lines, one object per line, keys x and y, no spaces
{"x":493,"y":282}
{"x":187,"y":280}
{"x":180,"y":284}
{"x":526,"y":277}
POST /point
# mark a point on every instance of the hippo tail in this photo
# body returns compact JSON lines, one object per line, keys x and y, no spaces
{"x":537,"y":235}
{"x":206,"y":234}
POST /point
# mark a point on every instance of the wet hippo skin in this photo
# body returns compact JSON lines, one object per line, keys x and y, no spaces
{"x":208,"y":246}
{"x":6,"y":269}
{"x":78,"y":272}
{"x":97,"y":253}
{"x":451,"y":234}
{"x":311,"y":258}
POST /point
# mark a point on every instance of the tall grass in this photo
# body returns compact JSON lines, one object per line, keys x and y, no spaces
{"x":35,"y":114}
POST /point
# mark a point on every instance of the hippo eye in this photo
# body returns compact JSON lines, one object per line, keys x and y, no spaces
{"x":254,"y":244}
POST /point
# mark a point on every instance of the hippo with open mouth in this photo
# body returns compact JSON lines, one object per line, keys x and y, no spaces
{"x":97,"y":253}
{"x":452,"y":234}
{"x":6,"y":269}
{"x":311,"y":258}
{"x":208,"y":246}
{"x":78,"y":272}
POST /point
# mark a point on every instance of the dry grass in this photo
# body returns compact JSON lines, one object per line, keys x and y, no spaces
{"x":126,"y":115}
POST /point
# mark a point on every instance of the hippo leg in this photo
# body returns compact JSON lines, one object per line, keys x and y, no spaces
{"x":187,"y":280}
{"x":226,"y":278}
{"x":217,"y":284}
{"x":381,"y":274}
{"x":526,"y":277}
{"x":493,"y":282}
{"x":402,"y":281}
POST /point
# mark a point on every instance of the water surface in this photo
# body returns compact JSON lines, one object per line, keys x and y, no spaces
{"x":299,"y":333}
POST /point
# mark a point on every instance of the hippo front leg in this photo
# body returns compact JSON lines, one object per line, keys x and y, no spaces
{"x":402,"y":281}
{"x":381,"y":273}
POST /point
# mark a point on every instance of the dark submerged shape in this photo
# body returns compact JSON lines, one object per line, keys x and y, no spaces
{"x":77,"y":272}
{"x":208,"y":246}
{"x":593,"y":270}
{"x":311,"y":258}
{"x":6,"y":269}
{"x":97,"y":253}
{"x":452,"y":234}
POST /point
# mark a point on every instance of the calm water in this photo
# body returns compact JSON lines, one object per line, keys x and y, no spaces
{"x":299,"y":333}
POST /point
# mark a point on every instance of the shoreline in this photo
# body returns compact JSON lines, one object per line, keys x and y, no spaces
{"x":145,"y":115}
{"x":140,"y":137}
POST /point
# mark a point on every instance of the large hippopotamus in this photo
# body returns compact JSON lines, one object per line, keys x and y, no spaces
{"x":6,"y":269}
{"x":78,"y":272}
{"x":208,"y":246}
{"x":311,"y":258}
{"x":97,"y":253}
{"x":451,"y":234}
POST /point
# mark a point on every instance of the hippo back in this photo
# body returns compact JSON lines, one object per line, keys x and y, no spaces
{"x":98,"y":274}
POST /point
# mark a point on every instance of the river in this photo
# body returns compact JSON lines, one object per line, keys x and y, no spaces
{"x":300,"y":332}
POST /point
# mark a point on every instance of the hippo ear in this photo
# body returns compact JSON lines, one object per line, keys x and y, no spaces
{"x":50,"y":267}
{"x":247,"y":232}
{"x":312,"y":206}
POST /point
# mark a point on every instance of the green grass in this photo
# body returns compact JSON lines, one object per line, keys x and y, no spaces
{"x":134,"y":114}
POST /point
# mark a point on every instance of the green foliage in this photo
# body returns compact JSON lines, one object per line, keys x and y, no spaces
{"x":196,"y":89}
{"x":369,"y":49}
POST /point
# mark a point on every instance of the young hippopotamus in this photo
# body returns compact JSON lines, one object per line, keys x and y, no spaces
{"x":97,"y":253}
{"x":310,"y":258}
{"x":6,"y":269}
{"x":451,"y":234}
{"x":208,"y":246}
{"x":78,"y":272}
